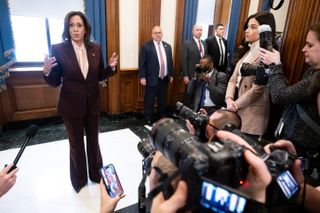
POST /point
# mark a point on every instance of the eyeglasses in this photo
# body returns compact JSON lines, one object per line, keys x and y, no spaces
{"x":157,"y":32}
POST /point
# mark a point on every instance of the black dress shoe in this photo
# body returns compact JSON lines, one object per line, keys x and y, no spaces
{"x":77,"y":189}
{"x":96,"y":180}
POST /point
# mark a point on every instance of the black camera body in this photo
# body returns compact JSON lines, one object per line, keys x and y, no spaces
{"x":198,"y":120}
{"x":220,"y":161}
{"x":278,"y":161}
{"x":201,"y":69}
{"x":147,"y":151}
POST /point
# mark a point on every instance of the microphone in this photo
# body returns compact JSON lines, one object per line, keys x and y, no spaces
{"x":30,"y":133}
{"x":265,"y":32}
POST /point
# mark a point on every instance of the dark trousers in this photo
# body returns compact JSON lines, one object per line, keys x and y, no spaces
{"x":78,"y":166}
{"x":159,"y":91}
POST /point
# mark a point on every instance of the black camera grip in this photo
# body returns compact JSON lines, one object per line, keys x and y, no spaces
{"x":248,"y":69}
{"x":261,"y":76}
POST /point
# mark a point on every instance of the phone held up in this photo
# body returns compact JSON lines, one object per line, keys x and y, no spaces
{"x":111,"y":180}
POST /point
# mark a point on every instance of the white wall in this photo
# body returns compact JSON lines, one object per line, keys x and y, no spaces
{"x":129,"y":27}
{"x":281,"y":15}
{"x":168,"y":21}
{"x":253,"y":7}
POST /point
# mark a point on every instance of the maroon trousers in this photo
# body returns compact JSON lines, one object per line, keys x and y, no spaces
{"x":76,"y":127}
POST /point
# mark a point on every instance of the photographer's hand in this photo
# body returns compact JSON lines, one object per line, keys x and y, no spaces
{"x":268,"y":57}
{"x":143,"y":81}
{"x":107,"y":203}
{"x":190,"y":127}
{"x":186,"y":80}
{"x":258,"y":177}
{"x":7,"y":180}
{"x":174,"y":203}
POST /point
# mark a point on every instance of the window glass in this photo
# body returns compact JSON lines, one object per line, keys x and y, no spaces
{"x":56,"y":30}
{"x":205,"y":15}
{"x":30,"y":38}
{"x":29,"y":28}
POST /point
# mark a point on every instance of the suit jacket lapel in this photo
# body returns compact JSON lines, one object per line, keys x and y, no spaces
{"x":72,"y":59}
{"x":91,"y":56}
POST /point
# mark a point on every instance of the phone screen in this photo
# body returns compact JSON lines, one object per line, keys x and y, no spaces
{"x":219,"y":198}
{"x":111,"y":180}
{"x":287,"y":184}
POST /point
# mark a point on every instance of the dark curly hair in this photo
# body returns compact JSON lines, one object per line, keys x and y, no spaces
{"x":66,"y":34}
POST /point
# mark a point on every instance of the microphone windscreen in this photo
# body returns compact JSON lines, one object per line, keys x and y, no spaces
{"x":31,"y":131}
{"x":264,"y":28}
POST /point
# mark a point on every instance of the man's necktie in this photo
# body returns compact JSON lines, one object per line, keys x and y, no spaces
{"x":221,"y":61}
{"x":161,"y":74}
{"x":203,"y":87}
{"x":200,"y":48}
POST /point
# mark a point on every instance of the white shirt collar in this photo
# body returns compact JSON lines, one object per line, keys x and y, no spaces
{"x":255,"y":45}
{"x":196,"y":40}
{"x":76,"y":46}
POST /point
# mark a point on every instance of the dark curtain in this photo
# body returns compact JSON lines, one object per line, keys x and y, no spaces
{"x":190,"y":16}
{"x":233,"y":25}
{"x":96,"y":13}
{"x":7,"y":57}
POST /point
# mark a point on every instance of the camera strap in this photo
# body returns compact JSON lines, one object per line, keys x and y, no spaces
{"x":306,"y":118}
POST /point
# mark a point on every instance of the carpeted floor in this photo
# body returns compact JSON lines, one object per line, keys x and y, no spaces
{"x":52,"y":129}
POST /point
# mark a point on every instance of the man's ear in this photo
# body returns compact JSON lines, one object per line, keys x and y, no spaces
{"x":229,"y":127}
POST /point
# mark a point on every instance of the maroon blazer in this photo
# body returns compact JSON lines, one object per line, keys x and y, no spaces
{"x":78,"y":96}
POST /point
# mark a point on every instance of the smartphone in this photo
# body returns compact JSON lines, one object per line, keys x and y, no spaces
{"x":288,"y":184}
{"x":219,"y":198}
{"x":111,"y":180}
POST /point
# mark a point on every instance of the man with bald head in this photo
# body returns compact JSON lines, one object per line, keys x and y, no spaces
{"x":155,"y":72}
{"x":192,"y":51}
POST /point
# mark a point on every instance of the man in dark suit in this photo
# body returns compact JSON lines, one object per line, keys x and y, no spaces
{"x":208,"y":87}
{"x":155,"y":71}
{"x":218,"y":48}
{"x":192,"y":51}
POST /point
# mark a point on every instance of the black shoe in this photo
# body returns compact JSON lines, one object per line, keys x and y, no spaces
{"x":95,"y":180}
{"x":78,"y":188}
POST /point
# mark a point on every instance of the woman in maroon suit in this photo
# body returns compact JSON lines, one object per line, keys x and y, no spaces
{"x":77,"y":65}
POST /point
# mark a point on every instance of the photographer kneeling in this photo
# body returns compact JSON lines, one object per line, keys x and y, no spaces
{"x":208,"y":86}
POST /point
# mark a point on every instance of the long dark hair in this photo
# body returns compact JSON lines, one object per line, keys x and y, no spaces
{"x":262,"y":18}
{"x":66,"y":34}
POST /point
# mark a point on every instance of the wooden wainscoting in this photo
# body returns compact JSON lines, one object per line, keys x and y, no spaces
{"x":129,"y":86}
{"x":29,"y":97}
